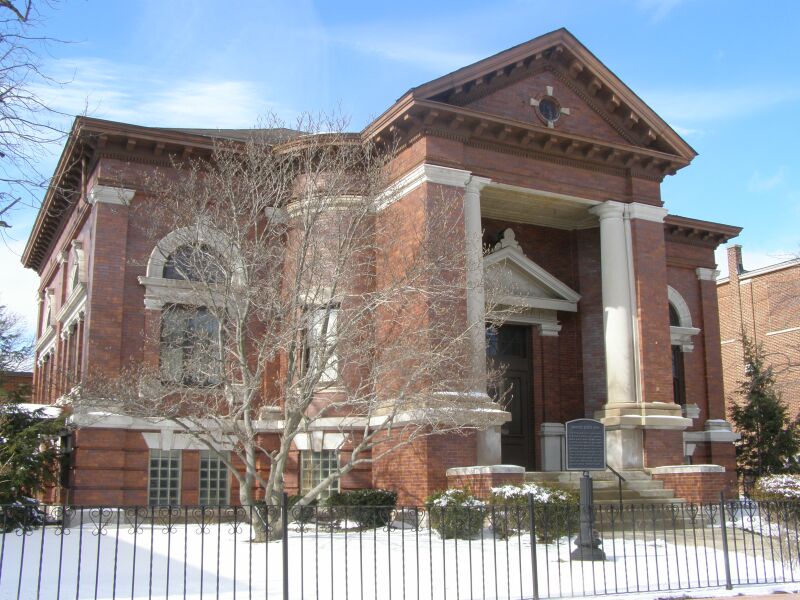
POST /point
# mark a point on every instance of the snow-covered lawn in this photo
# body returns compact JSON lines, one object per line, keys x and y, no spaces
{"x":222,"y":563}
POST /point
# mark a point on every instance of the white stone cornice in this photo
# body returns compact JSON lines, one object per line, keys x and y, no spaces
{"x":110,"y":195}
{"x":321,"y":204}
{"x":646,"y":212}
{"x":704,"y":274}
{"x":426,"y":173}
{"x":609,"y":209}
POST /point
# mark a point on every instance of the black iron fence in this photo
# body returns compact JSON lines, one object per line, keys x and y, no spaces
{"x":524,"y":550}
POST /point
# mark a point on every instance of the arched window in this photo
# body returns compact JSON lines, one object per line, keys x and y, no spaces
{"x":674,"y":318}
{"x":681,"y":334}
{"x":186,"y":276}
{"x":194,"y":262}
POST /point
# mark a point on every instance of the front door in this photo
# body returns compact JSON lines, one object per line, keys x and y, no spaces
{"x":509,"y":348}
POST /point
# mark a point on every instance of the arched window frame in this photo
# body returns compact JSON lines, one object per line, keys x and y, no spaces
{"x":163,"y":293}
{"x":683,"y":334}
{"x":160,"y":291}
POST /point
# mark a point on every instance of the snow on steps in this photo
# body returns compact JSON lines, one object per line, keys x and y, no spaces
{"x":638,"y":487}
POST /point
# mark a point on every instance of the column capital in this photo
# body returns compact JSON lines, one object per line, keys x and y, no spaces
{"x":646,"y":212}
{"x":705,"y":274}
{"x":610,"y":209}
{"x":476,"y":184}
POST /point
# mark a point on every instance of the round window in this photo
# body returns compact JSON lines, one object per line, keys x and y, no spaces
{"x":549,"y":109}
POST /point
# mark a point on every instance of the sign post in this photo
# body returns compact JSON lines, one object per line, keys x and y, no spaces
{"x":586,"y":451}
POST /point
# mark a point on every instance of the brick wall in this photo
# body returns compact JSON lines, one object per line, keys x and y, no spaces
{"x":480,"y":485}
{"x":700,"y":487}
{"x":766,"y":308}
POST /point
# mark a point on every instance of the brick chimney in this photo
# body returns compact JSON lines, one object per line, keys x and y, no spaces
{"x":735,"y":267}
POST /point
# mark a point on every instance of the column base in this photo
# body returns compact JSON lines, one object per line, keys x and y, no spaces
{"x":489,"y":448}
{"x":553,"y":446}
{"x":646,"y":434}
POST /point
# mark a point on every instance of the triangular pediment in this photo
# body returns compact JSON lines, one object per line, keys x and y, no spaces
{"x":503,"y":85}
{"x":515,"y":280}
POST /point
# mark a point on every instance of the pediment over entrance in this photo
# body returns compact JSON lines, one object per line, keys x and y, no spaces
{"x":514,"y":280}
{"x":547,"y":98}
{"x":557,"y":65}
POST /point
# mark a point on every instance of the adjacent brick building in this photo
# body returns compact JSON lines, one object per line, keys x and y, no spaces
{"x":556,"y":165}
{"x":762,"y":305}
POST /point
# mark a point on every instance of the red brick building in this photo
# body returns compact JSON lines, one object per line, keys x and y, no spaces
{"x":17,"y":383}
{"x":558,"y":165}
{"x":764,"y":306}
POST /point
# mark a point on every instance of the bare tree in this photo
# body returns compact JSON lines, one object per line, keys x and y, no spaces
{"x":27,"y":124}
{"x":16,"y":349}
{"x":298,"y":306}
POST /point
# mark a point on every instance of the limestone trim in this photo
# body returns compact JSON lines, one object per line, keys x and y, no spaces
{"x":706,"y":274}
{"x":686,"y":469}
{"x":299,"y":207}
{"x":683,"y":334}
{"x":486,"y":470}
{"x":319,"y":440}
{"x":646,"y":212}
{"x":160,"y":291}
{"x":714,"y":436}
{"x":509,"y":254}
{"x":46,"y":344}
{"x":107,"y":194}
{"x":170,"y":439}
{"x":423,"y":173}
{"x":74,"y":308}
{"x":643,"y":415}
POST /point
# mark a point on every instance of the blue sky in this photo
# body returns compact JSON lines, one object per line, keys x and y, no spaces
{"x":723,"y":73}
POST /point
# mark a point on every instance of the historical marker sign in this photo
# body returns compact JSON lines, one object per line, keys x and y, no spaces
{"x":586,"y":445}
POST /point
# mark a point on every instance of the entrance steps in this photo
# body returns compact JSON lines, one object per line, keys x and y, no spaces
{"x":639,"y":488}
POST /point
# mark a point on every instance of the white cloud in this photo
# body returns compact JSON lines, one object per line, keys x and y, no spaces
{"x":435,"y":51}
{"x":658,"y":9}
{"x":688,"y":131}
{"x":759,"y":183}
{"x":130,"y":93}
{"x":18,"y":293}
{"x":702,"y":105}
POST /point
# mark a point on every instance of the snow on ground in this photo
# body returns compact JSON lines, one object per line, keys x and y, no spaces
{"x":220,"y":562}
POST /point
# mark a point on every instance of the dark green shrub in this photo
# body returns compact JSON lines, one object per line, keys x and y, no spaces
{"x":369,"y":508}
{"x":455,"y":513}
{"x":555,"y":512}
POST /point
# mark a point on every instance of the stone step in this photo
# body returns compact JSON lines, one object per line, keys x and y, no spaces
{"x":637,"y":484}
{"x":638,"y":488}
{"x":613,"y":495}
{"x":575,"y":476}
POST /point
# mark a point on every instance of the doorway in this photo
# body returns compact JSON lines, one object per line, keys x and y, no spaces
{"x":509,"y":347}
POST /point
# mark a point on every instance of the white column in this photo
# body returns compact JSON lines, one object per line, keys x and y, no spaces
{"x":617,"y":317}
{"x":489,"y":447}
{"x":476,"y":301}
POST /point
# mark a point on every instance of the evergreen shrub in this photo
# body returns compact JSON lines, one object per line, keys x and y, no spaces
{"x":555,"y":512}
{"x":456,"y":513}
{"x":370,"y":508}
